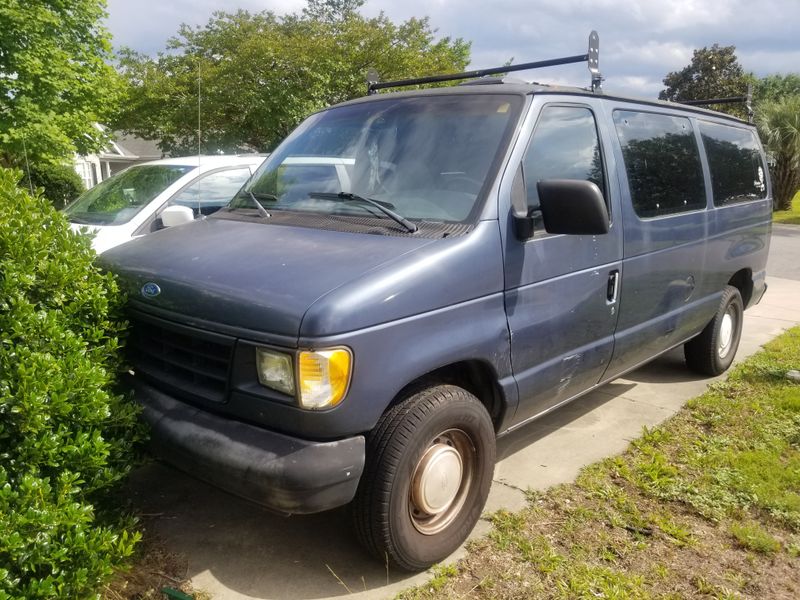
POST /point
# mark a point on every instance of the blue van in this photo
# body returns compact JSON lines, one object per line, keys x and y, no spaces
{"x":410,"y":275}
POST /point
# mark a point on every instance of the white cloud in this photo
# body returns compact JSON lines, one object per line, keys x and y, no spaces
{"x":640,"y":40}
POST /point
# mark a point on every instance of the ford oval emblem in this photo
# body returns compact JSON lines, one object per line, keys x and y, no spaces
{"x":150,"y":290}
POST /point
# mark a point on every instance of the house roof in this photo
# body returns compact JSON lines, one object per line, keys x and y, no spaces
{"x":131,"y":146}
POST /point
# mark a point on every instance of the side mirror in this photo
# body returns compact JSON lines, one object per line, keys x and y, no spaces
{"x":175,"y":215}
{"x":572,"y":206}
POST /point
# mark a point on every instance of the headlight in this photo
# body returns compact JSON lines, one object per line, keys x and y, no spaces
{"x":324,"y":376}
{"x":275,"y":370}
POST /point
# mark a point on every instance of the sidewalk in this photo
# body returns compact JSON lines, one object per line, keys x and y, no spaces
{"x":237,"y":551}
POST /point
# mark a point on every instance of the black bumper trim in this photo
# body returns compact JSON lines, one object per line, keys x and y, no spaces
{"x":280,"y":472}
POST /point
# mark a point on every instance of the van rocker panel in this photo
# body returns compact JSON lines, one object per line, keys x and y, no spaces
{"x":283,"y":473}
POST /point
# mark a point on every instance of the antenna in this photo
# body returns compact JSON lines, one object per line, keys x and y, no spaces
{"x":199,"y":181}
{"x":27,"y":164}
{"x":592,"y":57}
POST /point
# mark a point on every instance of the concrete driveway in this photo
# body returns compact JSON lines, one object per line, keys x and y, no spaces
{"x":236,"y":550}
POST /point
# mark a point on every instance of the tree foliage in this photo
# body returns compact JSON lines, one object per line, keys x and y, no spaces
{"x":260,"y":74}
{"x":713,"y":73}
{"x":779,"y":127}
{"x":54,"y":79}
{"x":66,"y":436}
{"x":777,"y":86}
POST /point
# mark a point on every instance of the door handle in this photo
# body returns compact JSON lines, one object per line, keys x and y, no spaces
{"x":612,"y":289}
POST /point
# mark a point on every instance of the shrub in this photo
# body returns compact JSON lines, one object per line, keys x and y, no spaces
{"x":779,"y":127}
{"x":60,"y":183}
{"x":66,"y":436}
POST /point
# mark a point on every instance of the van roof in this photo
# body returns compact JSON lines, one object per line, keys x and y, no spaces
{"x":508,"y":85}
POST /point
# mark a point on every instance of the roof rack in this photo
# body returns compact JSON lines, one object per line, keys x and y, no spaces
{"x":747,"y":99}
{"x":592,"y":58}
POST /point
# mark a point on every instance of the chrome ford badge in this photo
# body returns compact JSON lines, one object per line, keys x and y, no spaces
{"x":150,"y":290}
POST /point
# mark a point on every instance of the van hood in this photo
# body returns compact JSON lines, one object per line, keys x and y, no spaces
{"x":254,"y":276}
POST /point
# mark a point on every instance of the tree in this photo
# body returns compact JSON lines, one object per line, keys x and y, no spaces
{"x":779,"y":127}
{"x":260,"y":74}
{"x":54,"y":79}
{"x":713,"y":73}
{"x":774,"y":87}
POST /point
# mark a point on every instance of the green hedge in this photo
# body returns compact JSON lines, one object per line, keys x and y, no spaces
{"x":60,"y":183}
{"x":67,"y":437}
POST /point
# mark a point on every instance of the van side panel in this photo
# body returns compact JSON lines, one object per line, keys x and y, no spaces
{"x":739,"y":232}
{"x":664,"y":297}
{"x":739,"y":240}
{"x":661,"y":295}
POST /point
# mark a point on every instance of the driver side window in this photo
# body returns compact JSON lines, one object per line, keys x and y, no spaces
{"x":564,"y":145}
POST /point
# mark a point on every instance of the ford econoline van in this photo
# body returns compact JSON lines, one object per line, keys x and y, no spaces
{"x":501,"y":249}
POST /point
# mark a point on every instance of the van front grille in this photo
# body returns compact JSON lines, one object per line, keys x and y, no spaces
{"x":188,"y":362}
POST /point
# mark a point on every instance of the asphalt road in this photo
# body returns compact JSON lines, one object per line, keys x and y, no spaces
{"x":236,"y":550}
{"x":784,"y":252}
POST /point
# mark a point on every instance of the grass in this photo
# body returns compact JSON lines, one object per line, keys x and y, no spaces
{"x":705,"y":505}
{"x":789,"y":217}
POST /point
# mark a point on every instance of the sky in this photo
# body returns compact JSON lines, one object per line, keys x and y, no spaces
{"x":640,"y":40}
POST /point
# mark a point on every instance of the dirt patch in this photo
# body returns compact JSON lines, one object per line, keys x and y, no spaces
{"x":153,"y":569}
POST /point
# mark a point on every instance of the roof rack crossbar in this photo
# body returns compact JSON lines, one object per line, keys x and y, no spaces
{"x":591,"y":57}
{"x":746,"y":99}
{"x":728,"y":100}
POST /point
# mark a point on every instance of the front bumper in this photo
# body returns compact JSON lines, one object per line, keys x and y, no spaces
{"x":283,"y":473}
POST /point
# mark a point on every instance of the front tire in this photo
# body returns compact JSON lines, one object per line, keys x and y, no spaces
{"x":712,"y":352}
{"x":430,"y":462}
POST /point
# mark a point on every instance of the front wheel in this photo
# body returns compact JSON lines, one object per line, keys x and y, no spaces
{"x":430,"y":462}
{"x":712,"y":352}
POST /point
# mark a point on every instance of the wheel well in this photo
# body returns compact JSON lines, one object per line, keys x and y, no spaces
{"x":475,"y":376}
{"x":743,"y":281}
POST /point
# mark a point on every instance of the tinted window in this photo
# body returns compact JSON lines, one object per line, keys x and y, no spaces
{"x":212,"y":191}
{"x":564,"y":146}
{"x":662,"y":161}
{"x":737,"y":173}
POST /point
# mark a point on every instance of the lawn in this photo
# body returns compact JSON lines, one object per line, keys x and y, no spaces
{"x":789,"y":216}
{"x":706,"y":505}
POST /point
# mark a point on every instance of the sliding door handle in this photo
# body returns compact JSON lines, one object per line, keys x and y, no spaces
{"x":612,"y":289}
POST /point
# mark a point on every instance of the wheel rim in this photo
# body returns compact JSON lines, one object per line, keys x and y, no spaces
{"x":726,"y":331}
{"x":441,"y":481}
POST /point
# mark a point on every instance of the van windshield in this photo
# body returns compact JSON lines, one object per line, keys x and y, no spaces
{"x":426,"y":158}
{"x":119,"y":198}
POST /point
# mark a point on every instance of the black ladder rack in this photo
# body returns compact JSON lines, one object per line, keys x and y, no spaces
{"x":592,"y":58}
{"x":746,"y":99}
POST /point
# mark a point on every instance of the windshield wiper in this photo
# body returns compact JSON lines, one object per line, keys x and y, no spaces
{"x":381,"y":206}
{"x":261,"y":210}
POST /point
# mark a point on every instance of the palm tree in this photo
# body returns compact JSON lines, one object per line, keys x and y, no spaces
{"x":779,"y":126}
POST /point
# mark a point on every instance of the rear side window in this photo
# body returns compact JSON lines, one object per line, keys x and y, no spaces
{"x":737,"y":172}
{"x":564,"y":146}
{"x":662,"y":162}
